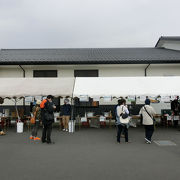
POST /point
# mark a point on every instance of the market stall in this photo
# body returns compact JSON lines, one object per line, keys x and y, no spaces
{"x":17,"y":88}
{"x":159,"y":89}
{"x":164,"y":88}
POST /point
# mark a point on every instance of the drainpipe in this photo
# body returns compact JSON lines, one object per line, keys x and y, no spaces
{"x":145,"y":71}
{"x":24,"y":75}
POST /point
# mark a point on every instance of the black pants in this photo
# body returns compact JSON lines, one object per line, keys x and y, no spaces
{"x":121,"y":128}
{"x":149,"y":129}
{"x":175,"y":123}
{"x":46,"y":133}
{"x":35,"y":128}
{"x":0,"y":128}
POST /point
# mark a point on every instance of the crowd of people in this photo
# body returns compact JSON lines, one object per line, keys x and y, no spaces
{"x":43,"y":112}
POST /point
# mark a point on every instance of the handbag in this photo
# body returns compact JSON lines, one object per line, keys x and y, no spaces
{"x":124,"y":117}
{"x":33,"y":119}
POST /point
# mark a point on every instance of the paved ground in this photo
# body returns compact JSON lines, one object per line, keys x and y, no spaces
{"x":90,"y":154}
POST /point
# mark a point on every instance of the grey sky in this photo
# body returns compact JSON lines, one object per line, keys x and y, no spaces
{"x":86,"y":23}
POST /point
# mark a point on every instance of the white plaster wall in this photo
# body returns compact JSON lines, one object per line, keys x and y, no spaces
{"x":68,"y":71}
{"x":122,"y":71}
{"x":10,"y":72}
{"x":164,"y":70}
{"x":104,"y":70}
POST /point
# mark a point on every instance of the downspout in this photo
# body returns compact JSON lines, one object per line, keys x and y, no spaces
{"x":145,"y":71}
{"x":24,"y":75}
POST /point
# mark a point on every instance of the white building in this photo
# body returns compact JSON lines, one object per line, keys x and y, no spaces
{"x":161,"y":60}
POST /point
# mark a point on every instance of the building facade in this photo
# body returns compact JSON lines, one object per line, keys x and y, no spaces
{"x":161,"y":60}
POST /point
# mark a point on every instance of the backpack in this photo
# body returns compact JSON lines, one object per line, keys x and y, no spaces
{"x":42,"y":105}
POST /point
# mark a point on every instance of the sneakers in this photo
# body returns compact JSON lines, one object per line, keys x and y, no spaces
{"x":34,"y":138}
{"x":37,"y":138}
{"x":147,"y":141}
{"x":31,"y":137}
{"x":65,"y":130}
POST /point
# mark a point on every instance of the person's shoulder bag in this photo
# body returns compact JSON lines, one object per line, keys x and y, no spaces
{"x":33,"y":119}
{"x":124,"y":117}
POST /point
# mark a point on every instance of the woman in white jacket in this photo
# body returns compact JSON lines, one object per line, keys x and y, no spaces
{"x":121,"y":108}
{"x":147,"y":113}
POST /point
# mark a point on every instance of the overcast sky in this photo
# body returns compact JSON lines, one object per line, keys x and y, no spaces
{"x":87,"y":23}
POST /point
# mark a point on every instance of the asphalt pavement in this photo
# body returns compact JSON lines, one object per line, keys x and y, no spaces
{"x":90,"y":154}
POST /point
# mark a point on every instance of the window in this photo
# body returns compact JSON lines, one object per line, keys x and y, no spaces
{"x":86,"y":73}
{"x":45,"y":73}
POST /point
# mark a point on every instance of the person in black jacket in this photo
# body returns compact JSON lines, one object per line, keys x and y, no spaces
{"x":48,"y":119}
{"x":175,"y":107}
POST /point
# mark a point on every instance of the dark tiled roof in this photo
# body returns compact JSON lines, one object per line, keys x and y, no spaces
{"x":88,"y":56}
{"x":167,"y":38}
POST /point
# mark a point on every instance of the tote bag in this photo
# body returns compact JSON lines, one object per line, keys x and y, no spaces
{"x":124,"y":117}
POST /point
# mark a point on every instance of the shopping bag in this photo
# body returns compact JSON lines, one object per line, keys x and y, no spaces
{"x":32,"y":120}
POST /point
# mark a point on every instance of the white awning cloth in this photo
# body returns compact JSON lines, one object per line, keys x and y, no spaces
{"x":17,"y":87}
{"x":125,"y":86}
{"x":93,"y":87}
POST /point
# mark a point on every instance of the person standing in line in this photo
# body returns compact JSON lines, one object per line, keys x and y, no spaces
{"x":148,"y":112}
{"x":66,"y":113}
{"x":48,"y":119}
{"x":175,"y":107}
{"x":122,"y":133}
{"x":36,"y":110}
{"x":121,"y":108}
